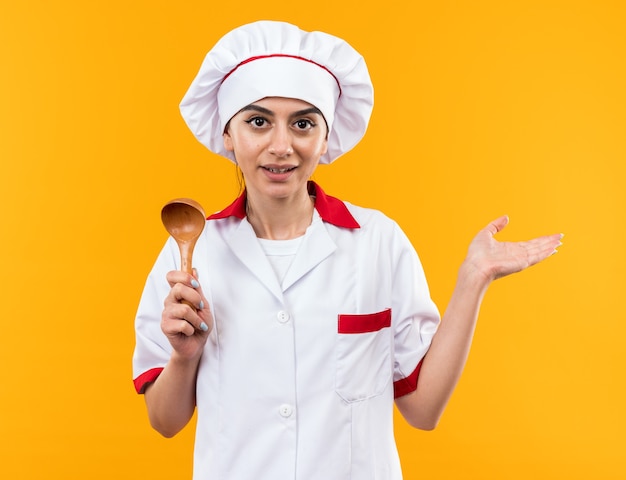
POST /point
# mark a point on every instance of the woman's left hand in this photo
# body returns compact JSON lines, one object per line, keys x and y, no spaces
{"x":487,"y":259}
{"x":494,"y":259}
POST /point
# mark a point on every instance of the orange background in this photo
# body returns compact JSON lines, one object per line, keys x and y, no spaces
{"x":482,"y":108}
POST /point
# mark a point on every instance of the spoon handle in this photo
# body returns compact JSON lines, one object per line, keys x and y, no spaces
{"x":186,"y":254}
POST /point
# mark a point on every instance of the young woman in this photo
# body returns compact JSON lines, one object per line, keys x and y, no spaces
{"x":313,"y":315}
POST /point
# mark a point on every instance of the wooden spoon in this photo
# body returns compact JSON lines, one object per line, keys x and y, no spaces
{"x":184,"y":219}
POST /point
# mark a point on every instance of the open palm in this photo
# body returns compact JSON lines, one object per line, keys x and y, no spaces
{"x":496,"y":259}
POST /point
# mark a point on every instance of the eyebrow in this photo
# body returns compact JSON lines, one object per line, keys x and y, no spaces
{"x":266,"y":111}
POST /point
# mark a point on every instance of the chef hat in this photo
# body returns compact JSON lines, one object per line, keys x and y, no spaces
{"x":276,"y":59}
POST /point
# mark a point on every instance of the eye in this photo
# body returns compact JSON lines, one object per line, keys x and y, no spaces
{"x":257,"y":122}
{"x":304,"y":124}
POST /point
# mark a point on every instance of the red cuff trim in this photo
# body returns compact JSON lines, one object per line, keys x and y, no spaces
{"x":142,"y":381}
{"x":407,"y":385}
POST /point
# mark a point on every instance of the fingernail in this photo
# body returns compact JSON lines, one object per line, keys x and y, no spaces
{"x":201,"y":305}
{"x":194,"y":283}
{"x":204,"y":327}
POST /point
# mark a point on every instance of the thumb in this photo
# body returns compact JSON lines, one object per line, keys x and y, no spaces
{"x":498,"y":224}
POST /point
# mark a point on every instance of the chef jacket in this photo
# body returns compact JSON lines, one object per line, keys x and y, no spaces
{"x":297,"y":379}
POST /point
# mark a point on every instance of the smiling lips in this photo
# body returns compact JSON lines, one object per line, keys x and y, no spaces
{"x":279,"y":170}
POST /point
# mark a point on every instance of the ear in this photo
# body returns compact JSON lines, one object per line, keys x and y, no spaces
{"x":324,"y":147}
{"x":228,"y":142}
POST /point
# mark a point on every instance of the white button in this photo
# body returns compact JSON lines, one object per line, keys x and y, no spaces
{"x":285,"y":410}
{"x":282,"y":316}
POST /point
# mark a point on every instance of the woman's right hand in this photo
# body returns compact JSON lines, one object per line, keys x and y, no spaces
{"x":186,"y":327}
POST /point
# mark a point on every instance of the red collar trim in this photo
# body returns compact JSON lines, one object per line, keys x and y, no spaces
{"x":331,"y":209}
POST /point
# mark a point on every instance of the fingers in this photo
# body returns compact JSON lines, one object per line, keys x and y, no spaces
{"x":497,"y":259}
{"x":186,"y":294}
{"x":185,"y":288}
{"x":185,"y":308}
{"x":181,"y":319}
{"x":550,"y":242}
{"x":542,"y":247}
{"x":177,"y":276}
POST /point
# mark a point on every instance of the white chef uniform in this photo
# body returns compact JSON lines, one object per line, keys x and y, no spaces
{"x":297,"y":380}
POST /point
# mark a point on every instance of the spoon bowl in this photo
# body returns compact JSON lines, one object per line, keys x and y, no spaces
{"x":184,"y":220}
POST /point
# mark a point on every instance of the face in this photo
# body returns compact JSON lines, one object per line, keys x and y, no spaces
{"x":277,"y":143}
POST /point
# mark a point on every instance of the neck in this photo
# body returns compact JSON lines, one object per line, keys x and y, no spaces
{"x":280,"y":218}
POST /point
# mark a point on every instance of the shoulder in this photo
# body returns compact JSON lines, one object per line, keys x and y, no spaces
{"x":370,"y":217}
{"x":380,"y":228}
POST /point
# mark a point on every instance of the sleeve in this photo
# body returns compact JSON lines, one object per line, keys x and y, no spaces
{"x":152,"y":349}
{"x":416,"y":316}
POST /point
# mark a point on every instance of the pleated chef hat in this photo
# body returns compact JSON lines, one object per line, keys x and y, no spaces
{"x":277,"y":59}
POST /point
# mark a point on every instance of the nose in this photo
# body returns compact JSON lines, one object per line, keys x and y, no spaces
{"x":280,"y":142}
